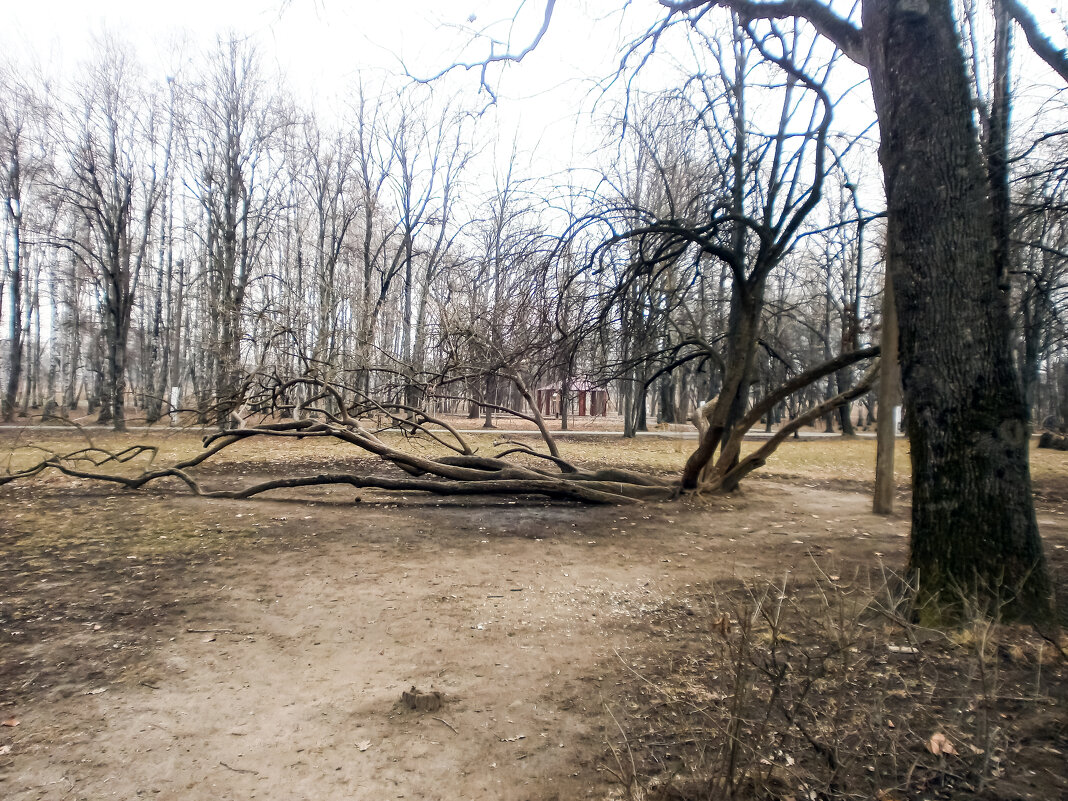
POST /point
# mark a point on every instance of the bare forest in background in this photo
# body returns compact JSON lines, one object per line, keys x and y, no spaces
{"x":204,"y":244}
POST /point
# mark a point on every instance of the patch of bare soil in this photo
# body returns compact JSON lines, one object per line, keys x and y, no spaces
{"x":1051,"y":493}
{"x":303,"y":646}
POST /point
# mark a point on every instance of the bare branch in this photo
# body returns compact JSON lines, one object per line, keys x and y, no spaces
{"x":494,"y":58}
{"x":801,"y":381}
{"x":730,"y":480}
{"x":539,"y":421}
{"x":841,"y":32}
{"x":1043,"y":47}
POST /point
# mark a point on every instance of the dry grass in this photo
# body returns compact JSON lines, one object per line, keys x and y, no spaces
{"x":782,"y":678}
{"x":827,"y":691}
{"x":1048,"y":464}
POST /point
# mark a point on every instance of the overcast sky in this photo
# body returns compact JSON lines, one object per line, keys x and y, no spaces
{"x":320,"y":45}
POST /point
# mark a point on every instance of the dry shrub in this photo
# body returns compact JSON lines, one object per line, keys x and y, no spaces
{"x":827,"y":691}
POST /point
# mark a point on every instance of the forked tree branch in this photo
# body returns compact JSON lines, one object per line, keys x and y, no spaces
{"x":712,"y":437}
{"x":732,"y":477}
{"x":483,"y":65}
{"x":803,"y":380}
{"x":1043,"y":47}
{"x":841,"y":32}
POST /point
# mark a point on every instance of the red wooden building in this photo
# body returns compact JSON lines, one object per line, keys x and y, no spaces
{"x":584,"y":400}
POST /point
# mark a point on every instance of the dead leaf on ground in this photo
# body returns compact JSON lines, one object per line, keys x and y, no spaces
{"x":940,"y":745}
{"x":10,"y":723}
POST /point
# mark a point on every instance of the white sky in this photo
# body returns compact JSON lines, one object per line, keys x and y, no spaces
{"x":319,"y":45}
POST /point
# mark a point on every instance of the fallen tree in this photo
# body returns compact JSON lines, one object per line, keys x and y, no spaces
{"x":341,"y":413}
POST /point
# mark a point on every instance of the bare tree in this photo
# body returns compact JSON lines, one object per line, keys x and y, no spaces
{"x":744,"y":210}
{"x":236,"y":123}
{"x":429,"y":155}
{"x":20,"y":137}
{"x":114,"y":190}
{"x":157,"y":359}
{"x":1039,"y":272}
{"x":967,"y":419}
{"x":327,"y":177}
{"x":379,"y":262}
{"x":495,"y":318}
{"x":966,"y":415}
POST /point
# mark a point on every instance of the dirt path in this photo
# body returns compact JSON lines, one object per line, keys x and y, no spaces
{"x":276,"y":671}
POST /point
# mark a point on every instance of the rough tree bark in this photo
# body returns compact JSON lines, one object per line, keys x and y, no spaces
{"x":974,"y":530}
{"x":883,"y":497}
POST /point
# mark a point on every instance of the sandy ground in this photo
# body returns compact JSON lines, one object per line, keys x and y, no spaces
{"x":273,"y":668}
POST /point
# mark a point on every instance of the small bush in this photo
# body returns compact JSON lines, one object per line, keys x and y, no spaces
{"x":826,"y":691}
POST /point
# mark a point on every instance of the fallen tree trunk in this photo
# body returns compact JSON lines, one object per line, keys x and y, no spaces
{"x":462,"y":473}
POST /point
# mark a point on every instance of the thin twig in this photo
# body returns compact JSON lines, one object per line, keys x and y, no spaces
{"x":442,"y":720}
{"x":238,"y":770}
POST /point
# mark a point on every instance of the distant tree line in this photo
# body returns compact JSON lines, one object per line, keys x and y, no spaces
{"x":169,"y":245}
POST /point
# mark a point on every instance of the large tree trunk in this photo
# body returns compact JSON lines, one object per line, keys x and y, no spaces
{"x":666,"y":408}
{"x":843,"y":380}
{"x":113,"y":408}
{"x":15,"y":339}
{"x":1061,"y":401}
{"x":733,"y":398}
{"x":14,"y":358}
{"x":490,"y":398}
{"x":117,"y":379}
{"x":974,"y":530}
{"x":886,"y":435}
{"x":228,"y":377}
{"x":641,"y":410}
{"x":102,"y":386}
{"x":626,"y":405}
